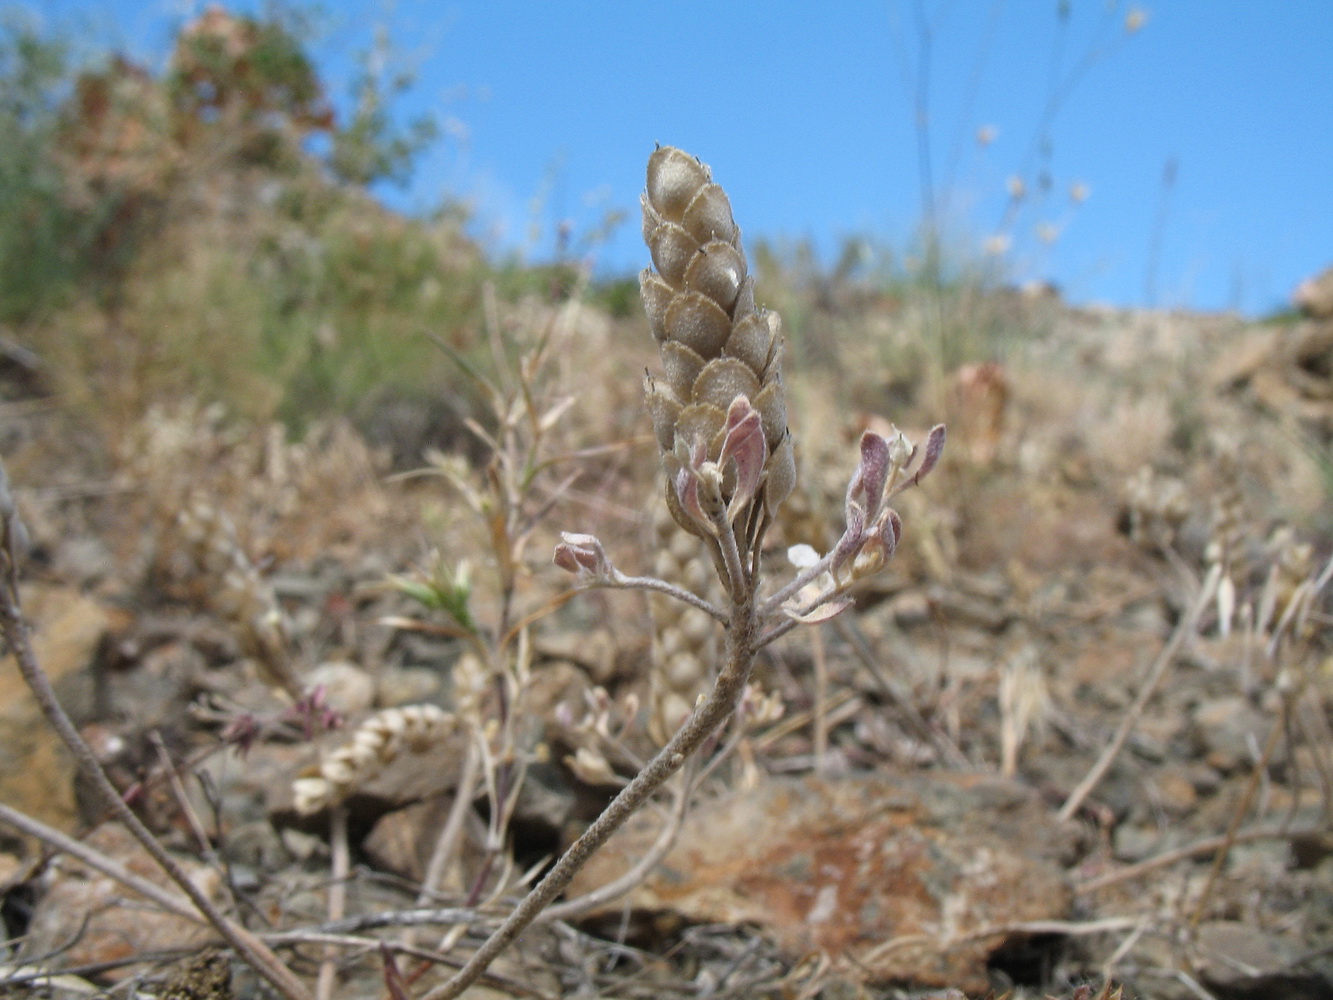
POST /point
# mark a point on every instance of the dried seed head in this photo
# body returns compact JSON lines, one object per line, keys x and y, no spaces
{"x":717,"y":348}
{"x":684,"y":646}
{"x":375,"y":744}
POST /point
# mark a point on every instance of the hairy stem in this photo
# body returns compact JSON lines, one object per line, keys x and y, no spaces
{"x":716,"y":709}
{"x":620,"y":581}
{"x":666,"y":838}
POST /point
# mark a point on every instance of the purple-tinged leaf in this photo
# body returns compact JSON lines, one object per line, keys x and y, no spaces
{"x":871,"y":475}
{"x":687,"y":492}
{"x":852,"y":538}
{"x":744,"y":442}
{"x":891,"y":532}
{"x":934,"y":448}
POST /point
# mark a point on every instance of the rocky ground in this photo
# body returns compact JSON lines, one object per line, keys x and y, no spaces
{"x":1079,"y":729}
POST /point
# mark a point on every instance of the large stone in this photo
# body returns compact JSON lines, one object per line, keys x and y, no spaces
{"x":86,"y":917}
{"x":36,"y":771}
{"x":403,"y":840}
{"x":1238,"y":960}
{"x":889,"y":876}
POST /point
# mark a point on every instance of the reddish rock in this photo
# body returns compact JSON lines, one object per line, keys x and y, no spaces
{"x":86,"y":917}
{"x":36,"y":771}
{"x":887,"y":875}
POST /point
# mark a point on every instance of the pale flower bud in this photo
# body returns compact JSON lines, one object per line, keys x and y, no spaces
{"x":583,"y":556}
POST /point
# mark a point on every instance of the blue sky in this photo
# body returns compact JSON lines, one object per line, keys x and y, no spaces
{"x":807,"y":114}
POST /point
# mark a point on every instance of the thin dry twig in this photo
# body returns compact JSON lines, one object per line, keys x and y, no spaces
{"x":1185,"y":628}
{"x":900,"y":699}
{"x":821,"y":722}
{"x":98,"y":861}
{"x":1068,"y":928}
{"x":1164,"y":860}
{"x":446,"y":845}
{"x":1237,"y":818}
{"x":328,"y":967}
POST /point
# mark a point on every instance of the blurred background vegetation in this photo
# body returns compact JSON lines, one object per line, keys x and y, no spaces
{"x":209,"y":230}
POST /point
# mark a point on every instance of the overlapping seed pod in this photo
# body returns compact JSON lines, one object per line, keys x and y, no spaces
{"x":374,"y":745}
{"x":684,"y":638}
{"x":715,"y":344}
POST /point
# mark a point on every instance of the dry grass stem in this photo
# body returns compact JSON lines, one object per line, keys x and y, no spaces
{"x":340,"y":867}
{"x":1185,"y":628}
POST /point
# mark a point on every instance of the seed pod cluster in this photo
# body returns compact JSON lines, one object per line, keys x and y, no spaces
{"x":684,"y":637}
{"x":374,"y":745}
{"x":715,"y":344}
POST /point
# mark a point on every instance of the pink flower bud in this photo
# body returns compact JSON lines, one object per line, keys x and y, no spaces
{"x":582,"y":555}
{"x":745,"y":443}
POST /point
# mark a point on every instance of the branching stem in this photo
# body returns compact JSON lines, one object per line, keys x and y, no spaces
{"x":620,"y":581}
{"x":716,"y":709}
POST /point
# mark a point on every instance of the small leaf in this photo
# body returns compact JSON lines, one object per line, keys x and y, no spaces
{"x":852,"y":537}
{"x":891,"y":533}
{"x":934,"y":448}
{"x":744,"y":443}
{"x":826,"y":611}
{"x":866,"y":488}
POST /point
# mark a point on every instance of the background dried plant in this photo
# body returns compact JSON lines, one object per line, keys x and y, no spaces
{"x":1123,"y":563}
